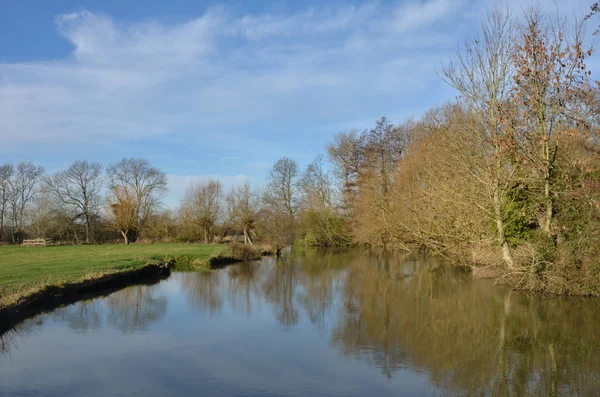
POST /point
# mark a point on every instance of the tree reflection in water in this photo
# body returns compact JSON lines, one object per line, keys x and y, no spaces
{"x":398,"y":311}
{"x":468,"y":336}
{"x":390,"y":310}
{"x":132,"y":309}
{"x":135,"y":308}
{"x":203,"y":290}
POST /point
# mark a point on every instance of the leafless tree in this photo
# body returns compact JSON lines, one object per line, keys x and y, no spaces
{"x":483,"y":75}
{"x":244,"y":208}
{"x":23,"y":189}
{"x":136,"y":191}
{"x":202,"y":206}
{"x":79,"y":187}
{"x":282,"y":187}
{"x":345,"y":154}
{"x":6,"y":174}
{"x":317,"y":186}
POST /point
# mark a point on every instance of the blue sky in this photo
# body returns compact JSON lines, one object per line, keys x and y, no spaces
{"x":204,"y":88}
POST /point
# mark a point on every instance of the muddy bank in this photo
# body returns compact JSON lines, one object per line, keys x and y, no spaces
{"x":52,"y":297}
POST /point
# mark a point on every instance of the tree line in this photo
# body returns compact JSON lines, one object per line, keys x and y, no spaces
{"x":508,"y":174}
{"x":86,"y":203}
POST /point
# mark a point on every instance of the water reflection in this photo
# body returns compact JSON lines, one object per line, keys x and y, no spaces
{"x":393,"y":312}
{"x":130,"y":310}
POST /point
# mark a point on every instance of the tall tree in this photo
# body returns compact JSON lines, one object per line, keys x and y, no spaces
{"x":79,"y":187}
{"x":281,"y":201}
{"x":244,"y":208}
{"x":23,"y":189}
{"x":282,"y":187}
{"x":551,"y":76}
{"x":6,"y":174}
{"x":483,"y":75}
{"x":345,"y":154}
{"x":202,"y":206}
{"x":316,"y":185}
{"x":136,"y":191}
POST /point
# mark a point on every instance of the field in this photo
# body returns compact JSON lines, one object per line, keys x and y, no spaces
{"x":24,"y":270}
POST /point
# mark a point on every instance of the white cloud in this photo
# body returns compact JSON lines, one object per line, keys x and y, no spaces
{"x":215,"y":71}
{"x":237,"y":83}
{"x":417,"y":14}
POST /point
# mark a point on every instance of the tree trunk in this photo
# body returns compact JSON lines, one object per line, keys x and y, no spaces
{"x":549,"y":204}
{"x":87,"y":228}
{"x":247,"y":239}
{"x":124,"y":234}
{"x":500,"y":233}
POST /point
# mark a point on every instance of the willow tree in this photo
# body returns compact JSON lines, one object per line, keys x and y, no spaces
{"x":244,"y":207}
{"x":136,"y":191}
{"x":202,"y":206}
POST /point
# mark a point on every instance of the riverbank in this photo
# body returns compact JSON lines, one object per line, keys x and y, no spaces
{"x":37,"y":279}
{"x":49,"y":297}
{"x":27,"y":270}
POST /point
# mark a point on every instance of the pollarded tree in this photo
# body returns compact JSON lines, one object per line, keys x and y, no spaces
{"x":202,"y":206}
{"x":79,"y":187}
{"x":244,"y":207}
{"x":136,"y":191}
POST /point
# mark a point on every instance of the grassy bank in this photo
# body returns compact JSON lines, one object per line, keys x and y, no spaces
{"x":26,"y":270}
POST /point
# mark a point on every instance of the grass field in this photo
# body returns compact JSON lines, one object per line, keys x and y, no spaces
{"x":24,"y":270}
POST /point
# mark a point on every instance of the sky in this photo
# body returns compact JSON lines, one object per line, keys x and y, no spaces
{"x":220,"y":89}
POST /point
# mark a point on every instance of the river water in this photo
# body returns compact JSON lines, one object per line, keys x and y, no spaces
{"x":317,"y":322}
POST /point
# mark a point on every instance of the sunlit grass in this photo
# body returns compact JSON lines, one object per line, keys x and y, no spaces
{"x":24,"y":270}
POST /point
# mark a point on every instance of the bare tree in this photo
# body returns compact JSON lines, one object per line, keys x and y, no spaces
{"x":345,"y":155}
{"x":282,"y":187}
{"x":136,"y":191}
{"x":23,"y":189}
{"x":202,"y":206}
{"x":316,"y":185}
{"x":483,"y":76}
{"x":6,"y":174}
{"x":79,"y":187}
{"x":244,"y":208}
{"x":322,"y":222}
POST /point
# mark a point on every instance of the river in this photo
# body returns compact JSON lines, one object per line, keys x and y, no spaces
{"x":317,"y":322}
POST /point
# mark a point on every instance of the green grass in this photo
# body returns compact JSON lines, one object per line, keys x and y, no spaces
{"x":24,"y":270}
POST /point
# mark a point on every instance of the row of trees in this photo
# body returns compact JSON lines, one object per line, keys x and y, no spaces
{"x":69,"y":205}
{"x":86,"y":204}
{"x":508,"y":174}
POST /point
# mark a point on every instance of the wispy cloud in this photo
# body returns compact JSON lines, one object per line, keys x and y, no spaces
{"x":140,"y":79}
{"x":232,"y":90}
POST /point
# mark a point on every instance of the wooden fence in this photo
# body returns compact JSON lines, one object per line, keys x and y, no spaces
{"x":38,"y":242}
